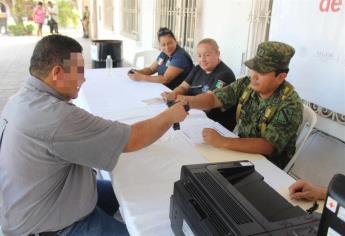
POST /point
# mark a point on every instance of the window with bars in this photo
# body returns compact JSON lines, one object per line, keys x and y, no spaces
{"x":259,"y":24}
{"x":180,"y":16}
{"x":130,"y":19}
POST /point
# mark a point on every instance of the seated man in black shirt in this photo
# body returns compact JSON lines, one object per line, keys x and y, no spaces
{"x":210,"y":74}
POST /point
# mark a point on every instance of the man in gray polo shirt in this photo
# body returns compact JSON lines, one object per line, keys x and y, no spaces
{"x":48,"y":147}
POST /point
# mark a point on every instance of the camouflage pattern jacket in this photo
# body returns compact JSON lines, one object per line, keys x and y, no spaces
{"x":281,"y":129}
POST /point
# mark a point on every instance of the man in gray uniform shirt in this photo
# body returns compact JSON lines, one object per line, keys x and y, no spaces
{"x":48,"y":147}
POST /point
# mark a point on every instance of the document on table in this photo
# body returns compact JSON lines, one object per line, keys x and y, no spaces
{"x":304,"y":204}
{"x":192,"y":128}
{"x":153,"y":101}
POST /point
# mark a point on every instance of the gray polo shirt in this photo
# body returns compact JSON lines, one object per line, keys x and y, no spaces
{"x":47,"y":149}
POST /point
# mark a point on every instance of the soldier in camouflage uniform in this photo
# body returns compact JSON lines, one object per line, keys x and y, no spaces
{"x":267,"y":93}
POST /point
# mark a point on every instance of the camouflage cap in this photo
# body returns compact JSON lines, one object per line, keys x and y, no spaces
{"x":271,"y":56}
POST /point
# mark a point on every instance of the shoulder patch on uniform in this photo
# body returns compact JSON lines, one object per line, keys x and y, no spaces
{"x":160,"y":61}
{"x":220,"y":84}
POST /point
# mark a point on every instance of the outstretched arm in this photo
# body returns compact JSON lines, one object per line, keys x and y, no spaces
{"x":180,"y":90}
{"x":204,"y":101}
{"x":148,"y":131}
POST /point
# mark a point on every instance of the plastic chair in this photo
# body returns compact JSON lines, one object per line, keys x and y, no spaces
{"x":144,"y":58}
{"x":321,"y":157}
{"x":303,"y":132}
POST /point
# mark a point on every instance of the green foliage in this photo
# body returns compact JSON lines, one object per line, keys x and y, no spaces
{"x":20,"y":29}
{"x":21,"y":9}
{"x":68,"y":15}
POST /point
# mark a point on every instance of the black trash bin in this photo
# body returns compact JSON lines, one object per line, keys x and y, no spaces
{"x":101,"y":48}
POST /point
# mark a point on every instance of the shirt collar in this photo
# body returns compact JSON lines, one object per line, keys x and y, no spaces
{"x":38,"y":84}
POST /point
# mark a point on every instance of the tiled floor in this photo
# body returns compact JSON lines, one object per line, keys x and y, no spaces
{"x":15,"y":53}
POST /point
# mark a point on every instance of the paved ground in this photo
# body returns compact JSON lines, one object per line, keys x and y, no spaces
{"x":15,"y":53}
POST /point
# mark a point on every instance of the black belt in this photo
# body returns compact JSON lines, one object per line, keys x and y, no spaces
{"x":53,"y":233}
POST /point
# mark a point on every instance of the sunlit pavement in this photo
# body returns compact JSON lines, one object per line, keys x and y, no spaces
{"x":15,"y":53}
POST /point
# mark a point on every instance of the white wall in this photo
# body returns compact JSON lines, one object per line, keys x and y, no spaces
{"x":227,"y":21}
{"x":146,"y":28}
{"x":227,"y":24}
{"x":317,"y":69}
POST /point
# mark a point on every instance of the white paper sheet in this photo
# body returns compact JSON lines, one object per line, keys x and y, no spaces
{"x":153,"y":101}
{"x":193,"y":127}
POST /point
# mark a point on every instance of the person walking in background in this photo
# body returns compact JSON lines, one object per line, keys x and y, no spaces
{"x":3,"y":19}
{"x":39,"y":15}
{"x":86,"y":21}
{"x":53,"y":11}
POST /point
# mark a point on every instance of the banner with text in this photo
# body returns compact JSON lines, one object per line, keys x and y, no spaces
{"x":316,"y":29}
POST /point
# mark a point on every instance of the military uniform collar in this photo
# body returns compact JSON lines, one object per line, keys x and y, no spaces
{"x":275,"y":97}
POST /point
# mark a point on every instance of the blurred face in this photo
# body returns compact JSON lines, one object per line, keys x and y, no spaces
{"x":265,"y":83}
{"x":208,"y":57}
{"x":167,"y":44}
{"x":69,"y":81}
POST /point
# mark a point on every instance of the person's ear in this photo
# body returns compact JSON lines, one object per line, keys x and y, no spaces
{"x":57,"y":72}
{"x":281,"y":77}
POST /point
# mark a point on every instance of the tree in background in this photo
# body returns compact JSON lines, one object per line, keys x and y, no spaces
{"x":68,"y":14}
{"x":21,"y":11}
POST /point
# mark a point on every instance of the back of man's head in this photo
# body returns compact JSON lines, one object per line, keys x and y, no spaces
{"x":49,"y":51}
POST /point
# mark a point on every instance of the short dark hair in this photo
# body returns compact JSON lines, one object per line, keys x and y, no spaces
{"x":165,"y":31}
{"x":52,"y":50}
{"x":277,"y":72}
{"x":40,"y":3}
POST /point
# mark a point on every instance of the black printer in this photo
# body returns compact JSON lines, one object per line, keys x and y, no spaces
{"x":231,"y":198}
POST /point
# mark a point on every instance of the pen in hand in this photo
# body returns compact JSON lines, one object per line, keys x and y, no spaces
{"x":176,"y":126}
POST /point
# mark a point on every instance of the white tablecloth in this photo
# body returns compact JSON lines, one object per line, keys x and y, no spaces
{"x":143,"y":180}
